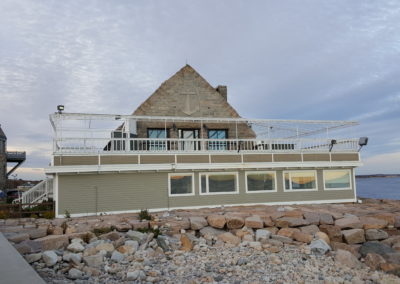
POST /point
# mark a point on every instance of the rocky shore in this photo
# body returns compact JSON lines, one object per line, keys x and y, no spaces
{"x":332,"y":243}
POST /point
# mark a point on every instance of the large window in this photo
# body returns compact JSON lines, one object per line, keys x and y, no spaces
{"x":218,"y":183}
{"x":300,"y":180}
{"x":260,"y":182}
{"x":181,"y":184}
{"x":156,"y":134}
{"x":217,"y":134}
{"x":337,"y":179}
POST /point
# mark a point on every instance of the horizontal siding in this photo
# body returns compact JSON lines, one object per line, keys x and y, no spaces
{"x":120,"y":159}
{"x":75,"y":160}
{"x":193,"y":159}
{"x":257,"y":158}
{"x":226,"y":159}
{"x":157,"y":159}
{"x":316,"y":157}
{"x":344,"y":157}
{"x":287,"y":157}
{"x":135,"y":191}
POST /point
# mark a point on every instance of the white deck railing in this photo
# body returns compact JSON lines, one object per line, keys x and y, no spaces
{"x":170,"y":145}
{"x":40,"y":192}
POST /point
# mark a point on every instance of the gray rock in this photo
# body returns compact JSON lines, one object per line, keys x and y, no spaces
{"x":30,"y":258}
{"x":17,"y":238}
{"x":375,"y":247}
{"x":242,"y":261}
{"x":262,"y":235}
{"x":74,"y":273}
{"x":117,"y":256}
{"x":163,"y":243}
{"x":325,"y":218}
{"x":136,"y":236}
{"x":134,"y":244}
{"x":136,"y":275}
{"x":37,"y":233}
{"x":347,"y":259}
{"x":75,"y":258}
{"x":197,"y":223}
{"x":50,"y":257}
{"x":282,"y":239}
{"x":319,"y":247}
{"x":94,"y":260}
{"x":28,"y":246}
{"x":375,"y":234}
{"x":76,"y":247}
{"x":211,"y":232}
{"x":392,"y":257}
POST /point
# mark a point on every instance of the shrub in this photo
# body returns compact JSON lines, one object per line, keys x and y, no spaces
{"x":48,"y":215}
{"x":144,"y":214}
{"x":67,"y":214}
{"x":4,"y":214}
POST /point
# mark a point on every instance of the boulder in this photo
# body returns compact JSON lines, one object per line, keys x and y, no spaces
{"x":234,"y":222}
{"x":347,"y":259}
{"x":273,"y":230}
{"x":391,"y":268}
{"x":136,"y":236}
{"x":108,"y":247}
{"x":293,"y":213}
{"x":28,"y":246}
{"x":268,"y":221}
{"x":255,"y":245}
{"x":57,"y":231}
{"x":216,"y":221}
{"x":374,"y":261}
{"x":334,"y":233}
{"x":312,"y":217}
{"x":350,"y":248}
{"x":96,"y":260}
{"x":282,"y":239}
{"x":136,"y":275}
{"x":127,"y":250}
{"x":375,"y":234}
{"x":397,"y":221}
{"x":112,"y":236}
{"x":209,"y":232}
{"x":354,"y":236}
{"x":319,"y":247}
{"x":197,"y":223}
{"x":242,"y":232}
{"x":322,"y":236}
{"x":302,"y":237}
{"x":76,"y":247}
{"x":375,"y":247}
{"x":33,"y":257}
{"x":396,"y":246}
{"x":50,"y":258}
{"x":75,"y":258}
{"x":123,"y":227}
{"x":248,"y":238}
{"x":134,"y":244}
{"x":262,"y":235}
{"x":285,"y":222}
{"x":229,"y":238}
{"x":136,"y":224}
{"x":391,"y":240}
{"x":392,"y":257}
{"x":388,"y":217}
{"x":349,"y":223}
{"x":287,"y":232}
{"x":74,"y":273}
{"x":310,"y":229}
{"x":254,"y":222}
{"x":373,"y":223}
{"x":37,"y":233}
{"x":186,"y":242}
{"x":52,"y":242}
{"x":117,"y":256}
{"x":18,"y":237}
{"x":326,"y":219}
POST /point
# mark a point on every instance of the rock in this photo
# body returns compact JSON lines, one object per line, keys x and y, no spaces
{"x":310,"y":229}
{"x":108,"y":247}
{"x":312,"y":217}
{"x":77,"y":240}
{"x":262,"y":235}
{"x":302,"y":237}
{"x":273,"y":230}
{"x":243,"y":232}
{"x":268,"y":221}
{"x":282,"y":239}
{"x":391,"y":268}
{"x":374,"y":261}
{"x":326,"y":219}
{"x":391,"y":240}
{"x":234,"y":222}
{"x":210,"y":232}
{"x":91,"y":271}
{"x":354,"y":236}
{"x":186,"y":242}
{"x":74,"y":273}
{"x":136,"y":236}
{"x":287,"y":232}
{"x":53,"y":242}
{"x":388,"y":217}
{"x":290,"y":222}
{"x":75,"y":258}
{"x":373,"y":223}
{"x":350,"y":248}
{"x":163,"y":243}
{"x":397,"y":221}
{"x":117,"y":256}
{"x":28,"y":246}
{"x":37,"y":233}
{"x":323,"y":236}
{"x":94,"y":260}
{"x":275,"y":259}
{"x":134,"y":244}
{"x":242,"y":261}
{"x":50,"y":258}
{"x":136,"y":275}
{"x":197,"y":223}
{"x":70,"y":229}
{"x":33,"y":257}
{"x":125,"y":249}
{"x":248,"y":238}
{"x":319,"y":247}
{"x":76,"y":247}
{"x":392,"y":257}
{"x":293,"y":213}
{"x":90,"y":251}
{"x":396,"y":246}
{"x":375,"y":247}
{"x":375,"y":234}
{"x":254,"y":222}
{"x":347,"y":259}
{"x":229,"y":238}
{"x":255,"y":245}
{"x":136,"y":224}
{"x":334,"y":233}
{"x":112,"y":236}
{"x":19,"y":237}
{"x":123,"y":227}
{"x":349,"y":223}
{"x":57,"y":231}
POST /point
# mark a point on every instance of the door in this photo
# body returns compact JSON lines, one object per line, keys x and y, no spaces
{"x":190,"y":135}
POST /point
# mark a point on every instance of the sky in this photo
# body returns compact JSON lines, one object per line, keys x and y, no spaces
{"x":323,"y":60}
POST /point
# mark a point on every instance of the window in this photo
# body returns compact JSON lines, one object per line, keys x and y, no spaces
{"x":217,"y":134}
{"x":260,"y":181}
{"x":300,"y":180}
{"x":181,"y":184}
{"x":157,"y":133}
{"x":337,"y":179}
{"x":219,"y":183}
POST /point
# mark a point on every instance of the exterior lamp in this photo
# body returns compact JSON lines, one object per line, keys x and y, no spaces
{"x":60,"y":108}
{"x":333,"y":142}
{"x":362,"y":142}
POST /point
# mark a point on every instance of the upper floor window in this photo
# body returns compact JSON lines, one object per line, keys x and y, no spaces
{"x":217,"y":134}
{"x":157,"y":133}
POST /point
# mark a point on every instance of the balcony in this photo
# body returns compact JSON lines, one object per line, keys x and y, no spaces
{"x":15,"y":157}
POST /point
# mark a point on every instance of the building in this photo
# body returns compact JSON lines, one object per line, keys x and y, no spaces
{"x":187,"y":147}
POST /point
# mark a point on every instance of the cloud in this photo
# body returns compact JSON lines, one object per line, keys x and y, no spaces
{"x":384,"y":163}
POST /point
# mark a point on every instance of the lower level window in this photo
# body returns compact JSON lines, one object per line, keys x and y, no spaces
{"x":181,"y":184}
{"x":218,"y":183}
{"x":260,"y":181}
{"x":300,"y":180}
{"x":337,"y":179}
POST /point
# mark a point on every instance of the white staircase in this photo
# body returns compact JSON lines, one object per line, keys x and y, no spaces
{"x":37,"y":194}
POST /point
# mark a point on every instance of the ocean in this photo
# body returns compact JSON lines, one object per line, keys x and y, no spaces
{"x":380,"y":188}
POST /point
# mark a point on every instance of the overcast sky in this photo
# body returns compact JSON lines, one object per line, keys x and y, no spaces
{"x":334,"y":60}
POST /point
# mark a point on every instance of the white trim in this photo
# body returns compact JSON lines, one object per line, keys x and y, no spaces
{"x":338,"y":188}
{"x":261,"y":172}
{"x":216,"y":206}
{"x":290,"y":178}
{"x":55,"y":192}
{"x":181,"y":194}
{"x":207,"y":174}
{"x":195,"y":166}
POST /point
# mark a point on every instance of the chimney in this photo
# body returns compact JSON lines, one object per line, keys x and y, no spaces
{"x":223,"y":91}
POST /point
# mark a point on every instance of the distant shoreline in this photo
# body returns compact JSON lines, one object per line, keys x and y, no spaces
{"x":378,"y":176}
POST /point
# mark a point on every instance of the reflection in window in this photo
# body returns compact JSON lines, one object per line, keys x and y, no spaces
{"x":155,"y":133}
{"x":217,"y":134}
{"x":260,"y":181}
{"x":339,"y":179}
{"x":301,"y":180}
{"x":218,"y":183}
{"x":181,"y":184}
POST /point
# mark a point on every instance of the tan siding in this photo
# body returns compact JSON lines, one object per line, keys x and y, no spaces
{"x":257,"y":158}
{"x":119,"y":159}
{"x":193,"y":159}
{"x":344,"y":157}
{"x":287,"y":158}
{"x":315,"y":157}
{"x":77,"y":160}
{"x":157,"y":159}
{"x":226,"y":159}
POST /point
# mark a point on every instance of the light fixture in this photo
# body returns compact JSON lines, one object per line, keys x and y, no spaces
{"x":60,"y":108}
{"x":333,"y":142}
{"x":363,"y":141}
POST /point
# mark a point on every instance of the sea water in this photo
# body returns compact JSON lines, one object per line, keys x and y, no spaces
{"x":380,"y":188}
